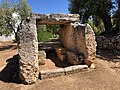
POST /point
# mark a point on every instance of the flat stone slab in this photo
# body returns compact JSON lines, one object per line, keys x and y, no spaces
{"x":51,"y":73}
{"x":116,"y":60}
{"x":44,"y":74}
{"x":55,"y":18}
{"x":47,"y":46}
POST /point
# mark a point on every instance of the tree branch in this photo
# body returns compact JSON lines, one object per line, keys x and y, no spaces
{"x":11,"y":27}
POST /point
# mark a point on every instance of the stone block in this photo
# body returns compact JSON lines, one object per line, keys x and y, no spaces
{"x":68,"y":70}
{"x":80,"y":38}
{"x":41,"y":57}
{"x":49,"y":46}
{"x":42,"y":54}
{"x":52,"y":73}
{"x":61,"y":53}
{"x":78,"y":68}
{"x":74,"y":58}
{"x":55,"y":18}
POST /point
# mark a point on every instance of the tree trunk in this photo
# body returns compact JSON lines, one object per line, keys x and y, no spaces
{"x":119,"y":15}
{"x":107,"y":22}
{"x":16,"y":38}
{"x":85,"y":18}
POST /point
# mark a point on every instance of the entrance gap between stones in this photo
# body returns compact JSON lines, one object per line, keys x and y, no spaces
{"x":48,"y":42}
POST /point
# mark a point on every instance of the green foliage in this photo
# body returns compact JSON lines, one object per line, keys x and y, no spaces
{"x":8,"y":21}
{"x":87,"y":8}
{"x":5,"y":32}
{"x":97,"y":28}
{"x":23,"y":9}
{"x":44,"y":36}
{"x":98,"y":9}
{"x":45,"y":32}
{"x":93,"y":26}
{"x":116,"y":16}
{"x":53,"y":29}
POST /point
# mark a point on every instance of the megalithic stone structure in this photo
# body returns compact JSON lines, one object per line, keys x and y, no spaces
{"x":78,"y":41}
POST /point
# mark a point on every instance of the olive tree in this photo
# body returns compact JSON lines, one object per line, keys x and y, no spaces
{"x":12,"y":15}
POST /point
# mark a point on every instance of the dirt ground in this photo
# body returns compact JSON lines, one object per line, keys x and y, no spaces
{"x":106,"y":75}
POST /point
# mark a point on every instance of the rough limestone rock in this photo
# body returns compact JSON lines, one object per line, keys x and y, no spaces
{"x":74,"y":58}
{"x":42,"y":54}
{"x":61,"y":53}
{"x":79,"y":38}
{"x":108,"y":42}
{"x":55,"y":18}
{"x":49,"y":46}
{"x":41,"y":57}
{"x":28,"y":52}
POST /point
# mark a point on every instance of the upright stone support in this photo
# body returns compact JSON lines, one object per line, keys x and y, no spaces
{"x":28,"y":52}
{"x":79,"y":38}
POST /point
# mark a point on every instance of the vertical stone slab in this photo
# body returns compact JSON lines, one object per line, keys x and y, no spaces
{"x":90,"y":44}
{"x":28,"y":52}
{"x":79,"y":38}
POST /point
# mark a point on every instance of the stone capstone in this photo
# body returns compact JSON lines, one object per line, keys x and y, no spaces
{"x":28,"y":52}
{"x":55,"y":18}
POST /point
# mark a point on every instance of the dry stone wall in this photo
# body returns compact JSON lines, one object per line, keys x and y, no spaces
{"x":108,"y":42}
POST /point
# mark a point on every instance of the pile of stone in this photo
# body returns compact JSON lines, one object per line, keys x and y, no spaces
{"x":108,"y":42}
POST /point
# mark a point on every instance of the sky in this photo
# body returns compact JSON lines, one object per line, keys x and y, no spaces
{"x":49,"y":6}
